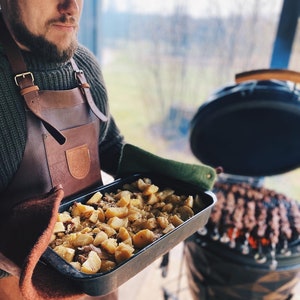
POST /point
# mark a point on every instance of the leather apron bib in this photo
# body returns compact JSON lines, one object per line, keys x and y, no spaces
{"x":62,"y":136}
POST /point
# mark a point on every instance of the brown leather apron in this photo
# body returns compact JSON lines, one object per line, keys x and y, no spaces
{"x":62,"y":135}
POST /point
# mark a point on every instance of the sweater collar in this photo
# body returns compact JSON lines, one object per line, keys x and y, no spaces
{"x":35,"y":63}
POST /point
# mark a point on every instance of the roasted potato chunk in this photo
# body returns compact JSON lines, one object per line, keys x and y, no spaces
{"x":92,"y":265}
{"x":143,"y":238}
{"x":123,"y":252}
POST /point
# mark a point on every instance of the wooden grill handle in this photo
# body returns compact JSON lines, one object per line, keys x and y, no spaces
{"x":268,"y":74}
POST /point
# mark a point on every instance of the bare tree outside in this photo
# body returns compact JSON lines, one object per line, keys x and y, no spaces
{"x":175,"y":57}
{"x":183,"y":59}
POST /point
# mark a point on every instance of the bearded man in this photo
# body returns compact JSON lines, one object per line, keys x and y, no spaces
{"x":48,"y":109}
{"x":55,"y":133}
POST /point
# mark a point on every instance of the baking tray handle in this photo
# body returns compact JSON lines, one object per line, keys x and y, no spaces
{"x":268,"y":74}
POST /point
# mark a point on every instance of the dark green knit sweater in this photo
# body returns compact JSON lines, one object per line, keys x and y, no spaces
{"x":50,"y":77}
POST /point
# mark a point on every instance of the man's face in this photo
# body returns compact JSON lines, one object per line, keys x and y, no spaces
{"x":46,"y":28}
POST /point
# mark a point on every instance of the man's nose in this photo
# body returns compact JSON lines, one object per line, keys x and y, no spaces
{"x":69,"y":7}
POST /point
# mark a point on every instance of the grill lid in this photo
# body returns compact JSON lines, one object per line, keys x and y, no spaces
{"x":252,"y":127}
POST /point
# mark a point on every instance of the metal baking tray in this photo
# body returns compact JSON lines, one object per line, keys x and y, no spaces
{"x":104,"y":283}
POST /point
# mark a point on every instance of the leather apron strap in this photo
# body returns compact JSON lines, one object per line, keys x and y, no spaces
{"x":86,"y":90}
{"x":25,"y":80}
{"x":13,"y":53}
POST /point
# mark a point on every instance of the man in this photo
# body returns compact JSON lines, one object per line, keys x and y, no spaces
{"x":46,"y":34}
{"x":55,"y":133}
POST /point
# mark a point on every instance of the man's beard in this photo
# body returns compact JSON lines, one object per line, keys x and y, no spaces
{"x":38,"y":45}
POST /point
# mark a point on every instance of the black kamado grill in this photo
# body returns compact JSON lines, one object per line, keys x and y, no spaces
{"x":250,"y":247}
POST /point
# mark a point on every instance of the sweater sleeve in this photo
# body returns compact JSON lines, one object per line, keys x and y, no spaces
{"x":110,"y":140}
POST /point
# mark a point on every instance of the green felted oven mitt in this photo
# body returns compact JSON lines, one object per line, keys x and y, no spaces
{"x":136,"y":160}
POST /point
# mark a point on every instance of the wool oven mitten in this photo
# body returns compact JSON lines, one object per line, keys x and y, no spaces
{"x":25,"y":233}
{"x":136,"y":160}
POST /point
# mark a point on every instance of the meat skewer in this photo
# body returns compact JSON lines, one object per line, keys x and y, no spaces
{"x":254,"y":220}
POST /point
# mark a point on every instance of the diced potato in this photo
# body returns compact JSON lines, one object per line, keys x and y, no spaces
{"x":123,"y":202}
{"x":64,"y":216}
{"x":123,"y":234}
{"x":128,"y":242}
{"x":94,"y":199}
{"x":101,"y":214}
{"x":83,"y":240}
{"x":76,"y":222}
{"x":138,"y":225}
{"x":123,"y":252}
{"x":69,"y":239}
{"x":92,"y":265}
{"x":159,"y":205}
{"x":59,"y":227}
{"x":124,"y":194}
{"x":150,"y":189}
{"x":165,"y":194}
{"x":152,"y":199}
{"x":124,"y":198}
{"x":169,"y":228}
{"x":107,"y":229}
{"x":120,"y":212}
{"x":53,"y":237}
{"x":76,"y":265}
{"x":189,"y":201}
{"x":141,"y":185}
{"x":143,"y":238}
{"x":137,"y":202}
{"x":174,"y":199}
{"x":110,"y":245}
{"x":175,"y":220}
{"x":163,"y":222}
{"x":116,"y":222}
{"x":100,"y":238}
{"x":86,"y":229}
{"x":65,"y":252}
{"x":79,"y":209}
{"x":185,"y":212}
{"x":94,"y":216}
{"x":107,"y":265}
{"x":151,"y":224}
{"x":134,"y":214}
{"x":168,"y":208}
{"x":96,"y":230}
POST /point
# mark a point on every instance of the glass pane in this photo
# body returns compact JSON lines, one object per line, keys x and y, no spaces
{"x":162,"y":59}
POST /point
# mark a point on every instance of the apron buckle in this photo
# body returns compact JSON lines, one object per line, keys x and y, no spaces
{"x":23,"y":75}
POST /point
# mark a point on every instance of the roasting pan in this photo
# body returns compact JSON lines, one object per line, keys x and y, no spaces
{"x":104,"y":283}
